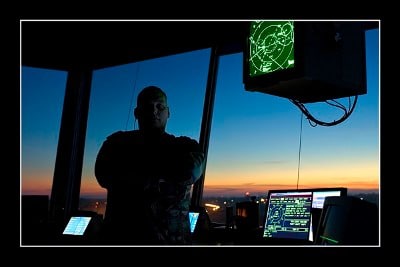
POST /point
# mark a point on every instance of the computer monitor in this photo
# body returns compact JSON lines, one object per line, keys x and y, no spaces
{"x":288,"y":217}
{"x":319,"y":195}
{"x":317,"y":202}
{"x":200,"y":225}
{"x":306,"y":61}
{"x":193,"y":218}
{"x":82,"y":227}
{"x":348,"y":220}
{"x":77,"y":225}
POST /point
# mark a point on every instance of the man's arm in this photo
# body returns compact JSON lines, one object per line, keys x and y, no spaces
{"x":198,"y":165}
{"x":186,"y":161}
{"x":103,"y":168}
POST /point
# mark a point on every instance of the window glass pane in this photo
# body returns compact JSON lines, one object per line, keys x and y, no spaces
{"x":113,"y":98}
{"x":255,"y":141}
{"x":42,"y":96}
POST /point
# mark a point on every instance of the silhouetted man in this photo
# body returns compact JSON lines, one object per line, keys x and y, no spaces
{"x":148,"y":174}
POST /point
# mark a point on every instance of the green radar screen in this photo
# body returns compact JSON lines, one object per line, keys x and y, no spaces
{"x":271,"y":46}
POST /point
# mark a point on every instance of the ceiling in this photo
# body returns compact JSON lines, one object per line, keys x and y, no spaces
{"x":69,"y":44}
{"x":66,"y":45}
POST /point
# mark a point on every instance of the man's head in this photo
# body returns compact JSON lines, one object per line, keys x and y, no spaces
{"x":152,"y":110}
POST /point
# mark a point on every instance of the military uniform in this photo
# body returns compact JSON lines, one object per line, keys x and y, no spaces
{"x":148,"y":181}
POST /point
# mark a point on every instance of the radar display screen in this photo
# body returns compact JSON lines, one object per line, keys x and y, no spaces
{"x":271,"y":46}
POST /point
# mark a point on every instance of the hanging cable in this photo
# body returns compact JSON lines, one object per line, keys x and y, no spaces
{"x":298,"y":164}
{"x":314,"y":122}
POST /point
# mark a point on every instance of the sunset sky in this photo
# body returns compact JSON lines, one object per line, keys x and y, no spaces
{"x":255,"y":137}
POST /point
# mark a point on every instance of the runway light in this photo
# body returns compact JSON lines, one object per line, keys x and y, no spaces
{"x":214,"y":207}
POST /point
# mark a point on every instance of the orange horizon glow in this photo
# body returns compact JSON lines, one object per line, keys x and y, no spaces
{"x":223,"y":189}
{"x":90,"y":187}
{"x":224,"y":182}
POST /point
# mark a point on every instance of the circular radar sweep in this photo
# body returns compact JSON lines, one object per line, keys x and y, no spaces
{"x":271,"y":46}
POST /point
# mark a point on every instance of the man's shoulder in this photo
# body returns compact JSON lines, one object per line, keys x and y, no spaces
{"x":120,"y":135}
{"x":186,"y":139}
{"x":183,"y":139}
